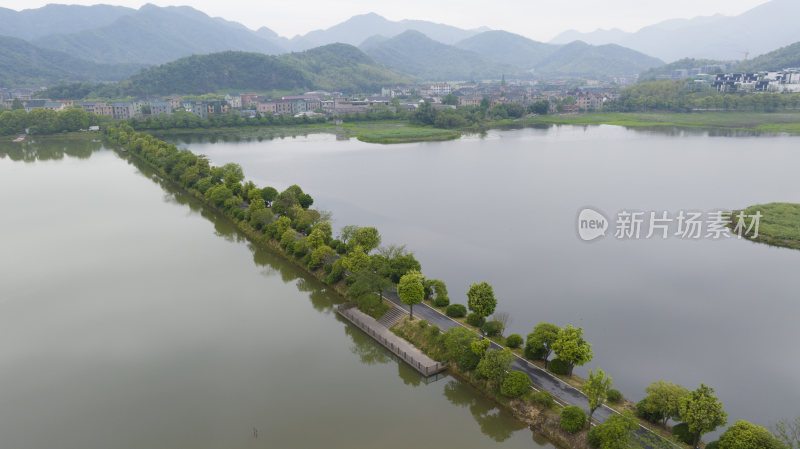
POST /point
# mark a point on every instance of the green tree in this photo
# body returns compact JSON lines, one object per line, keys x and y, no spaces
{"x":571,"y":348}
{"x":744,"y":435}
{"x":495,"y":365}
{"x":410,"y":290}
{"x":573,"y":419}
{"x":356,"y":260}
{"x":457,"y":340}
{"x":614,"y":433}
{"x":450,"y":99}
{"x":596,"y":389}
{"x":664,"y":400}
{"x":515,"y":384}
{"x":320,"y":256}
{"x":479,"y":347}
{"x":288,"y":237}
{"x":481,"y":300}
{"x":702,"y":412}
{"x":17,"y":104}
{"x":367,"y":237}
{"x":541,"y":340}
{"x":269,"y":194}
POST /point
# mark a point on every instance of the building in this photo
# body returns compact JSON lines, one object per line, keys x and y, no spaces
{"x":469,"y":101}
{"x":122,"y":110}
{"x":160,"y":107}
{"x":440,"y":89}
{"x":268,"y":107}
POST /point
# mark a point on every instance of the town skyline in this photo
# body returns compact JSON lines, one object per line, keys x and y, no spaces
{"x":291,"y":19}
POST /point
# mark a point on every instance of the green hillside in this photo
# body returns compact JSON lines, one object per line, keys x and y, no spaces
{"x":342,"y":67}
{"x":779,"y":59}
{"x":339,"y":67}
{"x":24,"y":64}
{"x":414,"y":53}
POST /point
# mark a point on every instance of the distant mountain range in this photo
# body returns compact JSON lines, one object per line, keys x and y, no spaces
{"x":155,"y":35}
{"x":107,"y":43}
{"x":492,"y":54}
{"x":752,"y":33}
{"x":573,"y":59}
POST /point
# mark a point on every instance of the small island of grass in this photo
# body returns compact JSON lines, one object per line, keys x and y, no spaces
{"x":779,"y":224}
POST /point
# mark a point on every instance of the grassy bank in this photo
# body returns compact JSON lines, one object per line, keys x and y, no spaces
{"x":779,"y":224}
{"x":384,"y":132}
{"x":758,"y":122}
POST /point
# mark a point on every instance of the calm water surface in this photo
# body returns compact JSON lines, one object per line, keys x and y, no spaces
{"x":503,"y":209}
{"x":130,"y":318}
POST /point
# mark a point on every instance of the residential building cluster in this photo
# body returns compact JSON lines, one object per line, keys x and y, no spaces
{"x":591,"y":96}
{"x":784,"y":81}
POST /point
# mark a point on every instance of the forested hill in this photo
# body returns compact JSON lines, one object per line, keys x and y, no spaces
{"x":337,"y":67}
{"x":24,"y":64}
{"x":782,"y":58}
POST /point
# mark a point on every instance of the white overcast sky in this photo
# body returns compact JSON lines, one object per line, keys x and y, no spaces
{"x":536,"y":19}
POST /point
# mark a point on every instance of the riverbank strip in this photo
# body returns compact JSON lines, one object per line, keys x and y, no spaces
{"x":130,"y":143}
{"x":754,"y":122}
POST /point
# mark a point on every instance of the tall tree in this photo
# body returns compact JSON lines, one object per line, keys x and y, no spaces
{"x":410,"y":289}
{"x":481,"y":300}
{"x":541,"y":340}
{"x":702,"y":412}
{"x":664,"y":399}
{"x":596,"y":390}
{"x":572,"y":348}
{"x":494,"y":365}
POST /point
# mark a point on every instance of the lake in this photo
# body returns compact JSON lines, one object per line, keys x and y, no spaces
{"x":132,"y":318}
{"x":503,"y":208}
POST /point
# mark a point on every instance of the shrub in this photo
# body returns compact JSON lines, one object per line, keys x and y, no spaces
{"x":594,"y":437}
{"x":681,"y":432}
{"x":573,"y":419}
{"x":475,"y":320}
{"x":515,"y":384}
{"x":434,"y":331}
{"x":642,"y":412}
{"x":467,"y":361}
{"x":713,"y":445}
{"x":492,"y":328}
{"x":543,"y":399}
{"x":350,"y":280}
{"x":514,"y":341}
{"x":614,"y":395}
{"x":534,"y":353}
{"x":443,"y":301}
{"x":558,"y":366}
{"x":456,"y":310}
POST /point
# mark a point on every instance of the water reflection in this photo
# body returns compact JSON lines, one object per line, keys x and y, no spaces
{"x":48,"y":149}
{"x":497,"y":423}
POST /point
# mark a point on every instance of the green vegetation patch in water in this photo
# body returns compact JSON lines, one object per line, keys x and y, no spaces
{"x":779,"y":224}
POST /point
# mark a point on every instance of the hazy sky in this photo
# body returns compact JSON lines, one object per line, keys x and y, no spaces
{"x":537,"y":19}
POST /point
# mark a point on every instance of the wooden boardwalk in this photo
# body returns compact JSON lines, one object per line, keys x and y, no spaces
{"x":401,"y":348}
